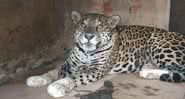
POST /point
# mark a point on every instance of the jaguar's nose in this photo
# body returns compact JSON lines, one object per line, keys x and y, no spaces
{"x":89,"y":36}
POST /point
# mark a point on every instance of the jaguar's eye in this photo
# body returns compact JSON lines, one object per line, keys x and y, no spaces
{"x":83,"y":25}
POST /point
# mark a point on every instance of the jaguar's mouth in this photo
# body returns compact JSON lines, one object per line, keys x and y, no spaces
{"x":89,"y":46}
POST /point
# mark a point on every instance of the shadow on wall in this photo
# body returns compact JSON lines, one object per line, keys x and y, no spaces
{"x":32,"y":34}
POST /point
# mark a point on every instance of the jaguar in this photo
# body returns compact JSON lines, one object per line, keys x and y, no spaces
{"x":102,"y":46}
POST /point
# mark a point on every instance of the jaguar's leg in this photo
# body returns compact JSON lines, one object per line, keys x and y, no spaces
{"x":60,"y":87}
{"x":82,"y":77}
{"x":41,"y":80}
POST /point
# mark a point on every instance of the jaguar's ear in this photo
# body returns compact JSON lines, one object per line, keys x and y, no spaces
{"x":114,"y":20}
{"x":76,"y":16}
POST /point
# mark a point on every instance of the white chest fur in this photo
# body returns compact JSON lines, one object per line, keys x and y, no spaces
{"x":89,"y":57}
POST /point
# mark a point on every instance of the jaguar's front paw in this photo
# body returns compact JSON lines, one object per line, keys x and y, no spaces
{"x":37,"y":81}
{"x":56,"y":90}
{"x":60,"y":87}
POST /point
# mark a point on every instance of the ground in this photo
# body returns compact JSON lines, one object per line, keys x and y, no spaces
{"x":126,"y":86}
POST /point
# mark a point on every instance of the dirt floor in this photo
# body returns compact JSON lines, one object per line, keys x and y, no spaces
{"x":128,"y":86}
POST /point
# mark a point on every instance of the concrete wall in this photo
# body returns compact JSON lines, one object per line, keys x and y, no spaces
{"x":34,"y":33}
{"x":177,"y":16}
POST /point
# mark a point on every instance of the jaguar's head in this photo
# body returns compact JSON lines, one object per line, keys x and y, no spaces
{"x":93,"y":30}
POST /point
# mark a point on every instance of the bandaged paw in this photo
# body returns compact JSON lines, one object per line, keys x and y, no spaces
{"x":61,"y":87}
{"x":37,"y":81}
{"x":152,"y":73}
